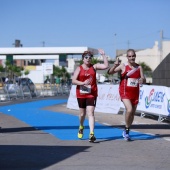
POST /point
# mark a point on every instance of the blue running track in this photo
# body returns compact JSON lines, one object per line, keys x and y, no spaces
{"x":62,"y":125}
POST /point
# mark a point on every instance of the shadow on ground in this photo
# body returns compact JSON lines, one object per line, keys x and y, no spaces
{"x":35,"y":157}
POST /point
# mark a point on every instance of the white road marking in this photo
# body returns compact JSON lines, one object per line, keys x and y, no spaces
{"x":106,"y":124}
{"x":167,"y":139}
{"x":122,"y":123}
{"x":150,"y":134}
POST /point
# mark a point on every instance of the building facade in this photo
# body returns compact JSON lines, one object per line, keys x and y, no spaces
{"x":151,"y":56}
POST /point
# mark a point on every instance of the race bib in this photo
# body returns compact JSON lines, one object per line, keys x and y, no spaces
{"x":132,"y":82}
{"x":85,"y":89}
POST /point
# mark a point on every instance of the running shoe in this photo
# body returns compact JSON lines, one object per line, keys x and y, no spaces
{"x":80,"y":132}
{"x":126,"y":136}
{"x":92,"y":138}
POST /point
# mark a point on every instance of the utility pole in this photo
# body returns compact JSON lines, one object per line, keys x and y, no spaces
{"x":128,"y":44}
{"x":161,"y":50}
{"x":43,"y":43}
{"x":115,"y":44}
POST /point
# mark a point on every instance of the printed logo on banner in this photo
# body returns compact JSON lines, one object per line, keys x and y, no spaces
{"x":112,"y":95}
{"x":141,"y":92}
{"x":155,"y":99}
{"x":168,"y":106}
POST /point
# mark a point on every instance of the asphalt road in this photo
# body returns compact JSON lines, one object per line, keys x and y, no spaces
{"x":24,"y":147}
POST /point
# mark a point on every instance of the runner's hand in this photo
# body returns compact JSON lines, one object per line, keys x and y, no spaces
{"x":86,"y":82}
{"x":117,"y":61}
{"x":101,"y":51}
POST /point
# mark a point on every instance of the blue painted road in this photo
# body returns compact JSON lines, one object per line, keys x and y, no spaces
{"x":62,"y":125}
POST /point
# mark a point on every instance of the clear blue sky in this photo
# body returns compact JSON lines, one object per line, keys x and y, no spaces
{"x":107,"y":24}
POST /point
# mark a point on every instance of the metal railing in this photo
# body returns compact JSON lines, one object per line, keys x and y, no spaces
{"x":14,"y":91}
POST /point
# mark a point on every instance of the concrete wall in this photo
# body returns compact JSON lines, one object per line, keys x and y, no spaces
{"x":161,"y":75}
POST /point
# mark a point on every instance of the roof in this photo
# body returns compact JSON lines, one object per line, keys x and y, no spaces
{"x":24,"y":51}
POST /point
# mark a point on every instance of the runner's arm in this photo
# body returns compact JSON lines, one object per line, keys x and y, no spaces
{"x":105,"y":64}
{"x":115,"y":68}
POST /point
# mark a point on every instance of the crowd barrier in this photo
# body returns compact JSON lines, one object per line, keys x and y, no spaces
{"x":14,"y":91}
{"x":153,"y":100}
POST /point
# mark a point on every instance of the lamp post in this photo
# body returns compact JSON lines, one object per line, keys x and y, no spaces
{"x":115,"y":44}
{"x":161,"y":51}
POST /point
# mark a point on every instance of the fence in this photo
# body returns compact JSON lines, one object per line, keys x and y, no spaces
{"x":14,"y":91}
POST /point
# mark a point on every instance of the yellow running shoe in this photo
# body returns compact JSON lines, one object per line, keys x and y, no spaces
{"x":92,"y":138}
{"x":80,"y":132}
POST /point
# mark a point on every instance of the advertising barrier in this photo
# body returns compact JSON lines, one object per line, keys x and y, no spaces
{"x":152,"y":99}
{"x":108,"y":100}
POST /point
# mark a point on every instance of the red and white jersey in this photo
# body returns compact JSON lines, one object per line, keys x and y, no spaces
{"x":129,"y":84}
{"x":90,"y":90}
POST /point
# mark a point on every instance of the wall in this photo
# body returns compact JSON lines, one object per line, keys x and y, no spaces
{"x":161,"y":75}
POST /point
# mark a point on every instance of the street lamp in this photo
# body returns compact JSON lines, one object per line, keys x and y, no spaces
{"x":115,"y":44}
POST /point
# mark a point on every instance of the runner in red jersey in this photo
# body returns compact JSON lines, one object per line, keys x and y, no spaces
{"x":84,"y":75}
{"x":85,"y":79}
{"x":129,"y":84}
{"x":131,"y":78}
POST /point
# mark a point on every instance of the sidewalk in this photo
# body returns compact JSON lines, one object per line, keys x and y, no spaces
{"x":23,"y":147}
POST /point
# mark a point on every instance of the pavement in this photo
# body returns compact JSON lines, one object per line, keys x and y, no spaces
{"x":42,"y":134}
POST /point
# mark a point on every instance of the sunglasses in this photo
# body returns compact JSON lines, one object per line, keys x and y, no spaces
{"x":131,"y":56}
{"x":88,"y":57}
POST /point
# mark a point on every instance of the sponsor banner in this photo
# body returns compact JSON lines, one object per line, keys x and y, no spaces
{"x":72,"y":100}
{"x":167,"y":101}
{"x":152,"y":99}
{"x":108,"y":100}
{"x":47,"y":68}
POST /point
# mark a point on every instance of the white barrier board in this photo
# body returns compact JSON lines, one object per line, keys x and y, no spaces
{"x":152,"y":99}
{"x":108,"y":100}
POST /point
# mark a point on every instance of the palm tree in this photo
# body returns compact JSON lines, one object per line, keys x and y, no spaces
{"x":56,"y":71}
{"x":1,"y":68}
{"x":13,"y":70}
{"x":26,"y":72}
{"x":61,"y":73}
{"x":93,"y":61}
{"x":64,"y":74}
{"x":146,"y":69}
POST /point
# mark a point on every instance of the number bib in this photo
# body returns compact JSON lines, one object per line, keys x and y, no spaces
{"x":132,"y":82}
{"x":85,"y":89}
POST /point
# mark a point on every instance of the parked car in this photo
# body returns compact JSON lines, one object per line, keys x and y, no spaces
{"x":10,"y":86}
{"x":26,"y":83}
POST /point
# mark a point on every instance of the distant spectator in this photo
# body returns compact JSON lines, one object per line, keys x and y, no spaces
{"x":47,"y":81}
{"x":57,"y":81}
{"x":6,"y":79}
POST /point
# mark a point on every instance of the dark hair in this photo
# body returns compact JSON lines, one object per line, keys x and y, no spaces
{"x":87,"y":53}
{"x":131,"y":50}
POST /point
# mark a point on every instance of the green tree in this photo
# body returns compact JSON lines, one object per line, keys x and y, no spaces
{"x":13,"y":70}
{"x":146,"y":69}
{"x":61,"y":73}
{"x":56,"y":71}
{"x":1,"y":68}
{"x":93,"y":61}
{"x":26,"y":72}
